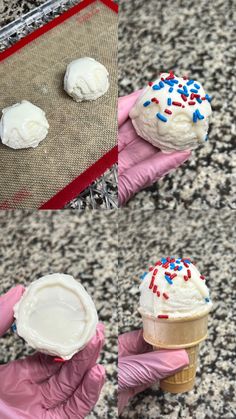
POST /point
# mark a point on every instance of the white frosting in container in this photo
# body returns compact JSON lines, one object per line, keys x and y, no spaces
{"x":86,"y":79}
{"x":172,"y":113}
{"x":56,"y":315}
{"x":23,"y":125}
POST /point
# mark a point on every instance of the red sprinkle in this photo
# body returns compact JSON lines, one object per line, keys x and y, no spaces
{"x":165,"y":296}
{"x":185,"y":264}
{"x":173,"y":276}
{"x":158,"y":293}
{"x":184,"y":98}
{"x":183,"y":106}
{"x":158,"y":263}
{"x":186,"y":278}
{"x":162,"y":79}
{"x":202,"y":277}
{"x":150,"y":83}
{"x":59,"y":360}
{"x":155,"y":271}
{"x":172,"y":260}
{"x":189,"y":273}
{"x":195,"y":95}
{"x":192,"y":103}
{"x":166,"y":265}
{"x":176,"y":103}
{"x":151,"y":283}
{"x":171,"y":75}
{"x":192,"y":96}
{"x":203,"y":98}
{"x":163,"y":316}
{"x":151,"y":268}
{"x":168,"y":111}
{"x":180,"y":85}
{"x":168,"y":273}
{"x":155,"y":100}
{"x":176,"y":268}
{"x":185,"y":78}
{"x":155,"y":289}
{"x":168,"y":258}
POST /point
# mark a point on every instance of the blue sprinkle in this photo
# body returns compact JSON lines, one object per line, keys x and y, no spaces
{"x":190,"y":82}
{"x":197,"y":86}
{"x":169,"y":82}
{"x":147,"y":103}
{"x":199,"y":115}
{"x":186,"y":91}
{"x":168,"y":280}
{"x":178,"y":261}
{"x":13,"y":327}
{"x":207,"y":300}
{"x":161,"y":117}
{"x":194,"y":116}
{"x":156,"y":87}
{"x":199,"y":100}
{"x":172,"y":265}
{"x":187,"y":261}
{"x":206,"y":138}
{"x":161,"y":84}
{"x":169,"y":101}
{"x":175,"y":81}
{"x":193,"y":91}
{"x":180,"y":268}
{"x":143,"y":276}
{"x":209,"y":98}
{"x":171,"y":89}
{"x":182,"y":92}
{"x":163,"y":260}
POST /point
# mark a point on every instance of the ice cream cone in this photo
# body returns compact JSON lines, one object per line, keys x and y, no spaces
{"x":176,"y":333}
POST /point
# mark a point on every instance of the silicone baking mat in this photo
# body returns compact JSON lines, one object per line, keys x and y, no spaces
{"x":81,"y":143}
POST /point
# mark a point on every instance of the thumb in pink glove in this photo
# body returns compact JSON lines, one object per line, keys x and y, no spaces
{"x":38,"y":387}
{"x":139,"y":366}
{"x":140,"y":163}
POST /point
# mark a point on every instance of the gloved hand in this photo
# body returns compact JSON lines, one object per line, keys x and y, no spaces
{"x":140,"y":163}
{"x":139,"y":366}
{"x":38,"y":387}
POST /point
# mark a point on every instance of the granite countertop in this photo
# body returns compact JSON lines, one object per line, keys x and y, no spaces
{"x":195,"y":38}
{"x":208,"y":238}
{"x":10,"y":10}
{"x":84,"y":246}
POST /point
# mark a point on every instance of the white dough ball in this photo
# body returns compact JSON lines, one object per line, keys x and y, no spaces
{"x":86,"y":79}
{"x":23,"y":125}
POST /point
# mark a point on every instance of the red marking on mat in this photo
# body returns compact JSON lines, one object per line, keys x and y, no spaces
{"x":16,"y":199}
{"x":80,"y":183}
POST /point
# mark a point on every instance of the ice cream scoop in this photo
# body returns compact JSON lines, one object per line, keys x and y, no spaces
{"x":23,"y":125}
{"x":86,"y":79}
{"x":174,"y":288}
{"x":56,"y":315}
{"x":172,"y":113}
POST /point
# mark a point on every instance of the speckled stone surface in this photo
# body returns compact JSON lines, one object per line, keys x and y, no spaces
{"x":13,"y":9}
{"x":195,"y":38}
{"x":83,"y":245}
{"x":209,"y":239}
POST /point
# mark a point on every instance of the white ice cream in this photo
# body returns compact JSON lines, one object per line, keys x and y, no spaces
{"x":184,"y":295}
{"x":23,"y":125}
{"x":158,"y":118}
{"x":86,"y":79}
{"x":56,"y":315}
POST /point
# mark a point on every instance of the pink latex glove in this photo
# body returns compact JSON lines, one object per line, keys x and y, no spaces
{"x":139,"y":366}
{"x":140,"y":163}
{"x":37,"y":387}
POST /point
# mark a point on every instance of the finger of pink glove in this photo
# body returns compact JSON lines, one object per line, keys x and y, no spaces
{"x":7,"y":302}
{"x":63,"y":384}
{"x":135,"y":152}
{"x":125,"y":103}
{"x":147,"y":172}
{"x":137,"y":370}
{"x":85,"y":396}
{"x":124,"y":396}
{"x":132,"y":343}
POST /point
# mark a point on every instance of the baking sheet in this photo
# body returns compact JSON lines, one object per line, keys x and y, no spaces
{"x":79,"y":134}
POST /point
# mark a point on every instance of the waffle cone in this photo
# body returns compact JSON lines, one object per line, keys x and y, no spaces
{"x":176,"y":333}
